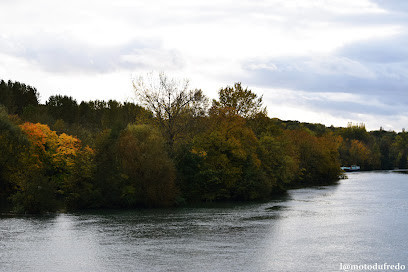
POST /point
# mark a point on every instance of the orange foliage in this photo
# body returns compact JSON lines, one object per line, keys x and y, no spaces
{"x":60,"y":150}
{"x":40,"y":135}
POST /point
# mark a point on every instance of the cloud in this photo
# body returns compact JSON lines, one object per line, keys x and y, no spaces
{"x":335,"y":108}
{"x":382,"y":51}
{"x":62,"y":54}
{"x":393,"y":5}
{"x":377,"y":67}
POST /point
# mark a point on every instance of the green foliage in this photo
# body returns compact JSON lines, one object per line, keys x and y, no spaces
{"x":108,"y":181}
{"x":22,"y":179}
{"x":63,"y":107}
{"x":359,"y":147}
{"x":401,"y":146}
{"x":239,"y":101}
{"x":355,"y":132}
{"x":16,"y":96}
{"x":146,"y":167}
{"x":222,"y":163}
{"x":170,"y":152}
{"x":35,"y":192}
{"x":318,"y":157}
{"x":56,"y":172}
{"x":279,"y":161}
{"x":12,"y":144}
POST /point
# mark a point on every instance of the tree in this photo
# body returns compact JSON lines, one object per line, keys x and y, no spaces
{"x":57,"y":169}
{"x":222,"y":163}
{"x":107,"y":175}
{"x":401,"y":146}
{"x":359,"y":153}
{"x":146,"y":167}
{"x":279,"y":161}
{"x":239,"y":101}
{"x":63,"y":107}
{"x":318,"y":157}
{"x":172,"y":102}
{"x":13,"y":144}
{"x":15,"y":96}
{"x":355,"y":132}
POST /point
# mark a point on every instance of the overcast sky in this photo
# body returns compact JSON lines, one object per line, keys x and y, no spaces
{"x":330,"y":62}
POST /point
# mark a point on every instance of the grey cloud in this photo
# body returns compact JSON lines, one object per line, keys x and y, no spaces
{"x":347,"y":109}
{"x":383,"y":51}
{"x":373,"y":70}
{"x":60,"y":54}
{"x":395,"y":5}
{"x":358,"y":69}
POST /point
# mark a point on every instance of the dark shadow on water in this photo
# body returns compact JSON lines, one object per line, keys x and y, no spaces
{"x":275,"y":208}
{"x":263,"y":217}
{"x":47,"y":216}
{"x":400,"y":171}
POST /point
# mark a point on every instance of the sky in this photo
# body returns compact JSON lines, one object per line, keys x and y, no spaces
{"x":319,"y":61}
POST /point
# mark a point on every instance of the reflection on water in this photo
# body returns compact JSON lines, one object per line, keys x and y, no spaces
{"x":361,"y":220}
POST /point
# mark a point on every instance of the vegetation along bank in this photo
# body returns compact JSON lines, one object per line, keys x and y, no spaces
{"x":172,"y":148}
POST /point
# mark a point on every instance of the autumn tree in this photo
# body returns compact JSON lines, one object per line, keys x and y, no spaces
{"x":239,"y":101}
{"x":57,"y":166}
{"x":222,"y":162}
{"x":360,"y":147}
{"x":318,"y":157}
{"x":172,"y":103}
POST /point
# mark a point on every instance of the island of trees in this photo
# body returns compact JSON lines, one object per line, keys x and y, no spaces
{"x":174,"y":147}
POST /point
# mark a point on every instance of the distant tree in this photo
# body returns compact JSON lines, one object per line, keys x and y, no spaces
{"x":5,"y":95}
{"x":401,"y":147}
{"x":261,"y":124}
{"x":359,"y":153}
{"x":63,"y":107}
{"x":15,"y":96}
{"x":355,"y":132}
{"x":318,"y":157}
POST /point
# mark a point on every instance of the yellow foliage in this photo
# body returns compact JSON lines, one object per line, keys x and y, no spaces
{"x":200,"y":153}
{"x":61,"y":150}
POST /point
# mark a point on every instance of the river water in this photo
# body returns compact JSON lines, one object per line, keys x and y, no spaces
{"x":361,"y":220}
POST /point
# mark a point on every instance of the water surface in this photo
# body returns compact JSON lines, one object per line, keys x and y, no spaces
{"x":361,"y":220}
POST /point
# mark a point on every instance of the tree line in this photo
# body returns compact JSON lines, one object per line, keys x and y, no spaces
{"x":174,"y":147}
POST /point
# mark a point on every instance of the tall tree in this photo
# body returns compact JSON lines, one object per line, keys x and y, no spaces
{"x":63,"y":107}
{"x":239,"y":101}
{"x":16,"y":96}
{"x":171,"y":101}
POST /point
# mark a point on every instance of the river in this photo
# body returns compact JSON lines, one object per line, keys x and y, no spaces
{"x":360,"y":220}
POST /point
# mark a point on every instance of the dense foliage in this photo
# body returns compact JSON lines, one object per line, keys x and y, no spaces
{"x":173,"y":149}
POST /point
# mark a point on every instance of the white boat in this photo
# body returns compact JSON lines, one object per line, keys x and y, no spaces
{"x":350,"y":168}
